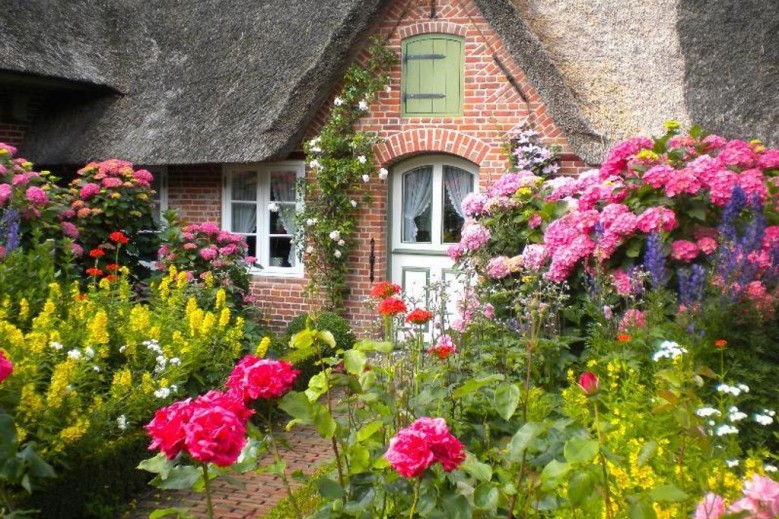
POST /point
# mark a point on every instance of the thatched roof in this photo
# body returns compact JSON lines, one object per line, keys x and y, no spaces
{"x":240,"y":80}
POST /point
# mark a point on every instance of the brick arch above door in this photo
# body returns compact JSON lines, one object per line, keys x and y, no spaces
{"x":413,"y":142}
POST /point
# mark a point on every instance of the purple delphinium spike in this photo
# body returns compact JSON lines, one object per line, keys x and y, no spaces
{"x":10,"y":226}
{"x":691,"y":284}
{"x":654,"y":260}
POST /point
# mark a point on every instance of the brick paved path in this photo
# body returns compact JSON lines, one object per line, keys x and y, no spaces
{"x":262,"y":491}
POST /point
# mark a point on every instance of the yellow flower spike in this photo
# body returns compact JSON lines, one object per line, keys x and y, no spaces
{"x":24,"y":310}
{"x":147,"y":383}
{"x":140,"y":319}
{"x":97,"y":329}
{"x":121,"y":382}
{"x":36,"y":342}
{"x":262,"y":347}
{"x":60,"y":379}
{"x":221,"y":295}
{"x":224,"y":318}
{"x":164,"y":382}
{"x":208,"y":280}
{"x":75,"y":432}
{"x":181,"y":280}
{"x":208,"y":323}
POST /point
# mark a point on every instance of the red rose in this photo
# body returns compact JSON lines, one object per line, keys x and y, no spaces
{"x":6,"y":366}
{"x":97,"y":253}
{"x":588,"y":381}
{"x":392,"y":306}
{"x":167,"y":427}
{"x":419,"y":316}
{"x":449,"y":452}
{"x":254,"y":378}
{"x":118,"y":237}
{"x":228,"y":401}
{"x":384,"y":289}
{"x":409,"y":453}
{"x":215,"y":435}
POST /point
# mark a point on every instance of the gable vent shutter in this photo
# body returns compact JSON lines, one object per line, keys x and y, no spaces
{"x":432,"y":78}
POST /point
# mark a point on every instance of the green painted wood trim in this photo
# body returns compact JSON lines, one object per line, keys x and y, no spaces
{"x":433,"y":76}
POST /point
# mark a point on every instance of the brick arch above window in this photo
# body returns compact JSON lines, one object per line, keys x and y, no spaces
{"x":437,"y":27}
{"x":413,"y":142}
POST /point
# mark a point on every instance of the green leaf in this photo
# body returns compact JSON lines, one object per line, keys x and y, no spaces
{"x":317,"y":386}
{"x":324,"y":422}
{"x":477,"y":469}
{"x":329,"y":489}
{"x":369,"y":345}
{"x":301,"y":340}
{"x":485,"y":497}
{"x":297,"y":406}
{"x":647,"y":452}
{"x":699,"y":213}
{"x":640,"y":509}
{"x":359,"y":459}
{"x":355,"y":361}
{"x":38,"y":467}
{"x":8,"y":438}
{"x":554,"y":472}
{"x":580,"y":450}
{"x":580,"y":487}
{"x":457,"y":507}
{"x":506,"y":400}
{"x":327,"y":337}
{"x":159,"y":464}
{"x":369,"y":430}
{"x":178,"y":513}
{"x":667,"y":494}
{"x":475,"y":384}
{"x":521,"y":440}
{"x":179,"y":478}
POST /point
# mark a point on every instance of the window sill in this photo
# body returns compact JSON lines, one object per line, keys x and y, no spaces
{"x":268,"y":273}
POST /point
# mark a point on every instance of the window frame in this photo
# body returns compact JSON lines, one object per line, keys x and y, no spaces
{"x":262,"y":200}
{"x":161,"y":173}
{"x":403,"y":76}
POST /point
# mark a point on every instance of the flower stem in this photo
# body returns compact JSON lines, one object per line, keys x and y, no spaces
{"x":283,"y":472}
{"x":416,"y":498}
{"x":209,"y":504}
{"x":607,"y":495}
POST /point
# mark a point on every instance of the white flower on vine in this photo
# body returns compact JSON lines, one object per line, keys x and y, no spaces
{"x":121,"y":422}
{"x":335,"y":235}
{"x":338,"y":101}
{"x":273,"y":207}
{"x":363,"y":105}
{"x":162,"y":392}
{"x":383,"y":173}
{"x":74,"y":354}
{"x":353,"y":202}
{"x":315,"y":149}
{"x":361,"y":159}
{"x":311,"y":221}
{"x":388,"y":89}
{"x":366,"y":178}
{"x":89,"y":352}
{"x":310,"y":249}
{"x":315,"y":164}
{"x":55,"y":345}
{"x":337,"y":253}
{"x":341,"y":243}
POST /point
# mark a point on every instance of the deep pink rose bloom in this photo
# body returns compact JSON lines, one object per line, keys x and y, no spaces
{"x":589,"y":382}
{"x":254,"y":378}
{"x":215,"y":435}
{"x":684,"y":250}
{"x":712,"y":507}
{"x":6,"y":366}
{"x":409,"y":453}
{"x":445,"y":447}
{"x":37,"y":196}
{"x":226,"y":400}
{"x":167,"y":427}
{"x":89,"y":190}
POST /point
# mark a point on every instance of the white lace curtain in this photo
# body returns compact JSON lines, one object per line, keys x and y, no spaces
{"x":244,"y":218}
{"x":283,"y":190}
{"x":417,"y":197}
{"x":458,"y":184}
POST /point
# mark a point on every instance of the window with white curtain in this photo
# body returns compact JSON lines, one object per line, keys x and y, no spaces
{"x":259,"y":202}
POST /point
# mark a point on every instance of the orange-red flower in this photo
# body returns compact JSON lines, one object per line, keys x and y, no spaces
{"x":384,"y":289}
{"x":392,"y":306}
{"x":112,"y":277}
{"x":419,"y":316}
{"x":720,"y":343}
{"x":97,"y":253}
{"x":623,"y":337}
{"x":113,"y":266}
{"x":94,"y":271}
{"x":118,"y":237}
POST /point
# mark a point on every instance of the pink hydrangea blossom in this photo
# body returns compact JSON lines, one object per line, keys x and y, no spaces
{"x":737,"y":153}
{"x":474,"y":236}
{"x":89,"y":190}
{"x":473,"y":204}
{"x":509,"y":183}
{"x":455,"y":251}
{"x":496,"y":268}
{"x":5,"y":193}
{"x":657,"y":176}
{"x":752,"y":181}
{"x":143,"y":177}
{"x":534,"y":256}
{"x":535,"y":221}
{"x":622,"y":282}
{"x":632,"y":318}
{"x":617,"y":160}
{"x":489,"y":311}
{"x":208,"y":253}
{"x":707,"y":245}
{"x":684,"y":250}
{"x":69,"y":230}
{"x":111,"y":182}
{"x":682,"y":181}
{"x":37,"y":196}
{"x":769,"y":159}
{"x":713,"y":142}
{"x":656,"y":219}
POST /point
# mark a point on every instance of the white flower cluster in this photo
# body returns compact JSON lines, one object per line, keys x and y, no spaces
{"x":338,"y":101}
{"x":152,"y":345}
{"x":353,"y":202}
{"x":313,"y":145}
{"x":766,"y":417}
{"x":732,"y":463}
{"x":315,"y":164}
{"x":705,"y":412}
{"x":383,"y":173}
{"x":55,"y":345}
{"x":74,"y":354}
{"x":273,"y":207}
{"x":733,"y":390}
{"x":121,"y":422}
{"x":725,"y":429}
{"x":335,"y":235}
{"x":363,"y":105}
{"x":362,"y":159}
{"x":770,"y":468}
{"x":311,"y":221}
{"x":162,"y":392}
{"x":734,"y":415}
{"x":668,"y":350}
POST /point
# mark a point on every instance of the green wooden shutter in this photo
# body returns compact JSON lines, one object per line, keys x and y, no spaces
{"x":432,"y":76}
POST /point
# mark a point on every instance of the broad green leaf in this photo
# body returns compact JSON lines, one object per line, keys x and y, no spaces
{"x":457,"y":507}
{"x":317,"y":386}
{"x":506,"y":400}
{"x":369,"y":430}
{"x":297,"y":406}
{"x":477,"y":469}
{"x":327,"y":337}
{"x":520,"y":441}
{"x":580,"y":450}
{"x":329,"y":489}
{"x":324,"y":422}
{"x":485,"y":497}
{"x":699,"y":213}
{"x":359,"y":459}
{"x":580,"y":486}
{"x":159,"y":464}
{"x":8,"y":438}
{"x":475,"y":384}
{"x":355,"y":361}
{"x":38,"y":467}
{"x":667,"y":494}
{"x":641,"y":510}
{"x":647,"y":452}
{"x":554,"y":472}
{"x":301,"y":340}
{"x":369,"y":345}
{"x":178,"y":513}
{"x":179,"y":478}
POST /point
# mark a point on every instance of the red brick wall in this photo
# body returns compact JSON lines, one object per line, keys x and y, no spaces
{"x":12,"y":133}
{"x":492,"y":107}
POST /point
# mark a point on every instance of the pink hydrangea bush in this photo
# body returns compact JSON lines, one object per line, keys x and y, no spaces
{"x":760,"y":500}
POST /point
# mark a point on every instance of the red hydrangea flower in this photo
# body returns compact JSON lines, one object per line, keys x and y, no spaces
{"x":6,"y":366}
{"x":384,"y":289}
{"x":118,"y":237}
{"x":589,"y":383}
{"x":97,"y":253}
{"x":419,"y":316}
{"x":254,"y":378}
{"x":421,"y":444}
{"x":392,"y":306}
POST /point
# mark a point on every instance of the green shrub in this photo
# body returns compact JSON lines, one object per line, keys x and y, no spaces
{"x":334,"y":323}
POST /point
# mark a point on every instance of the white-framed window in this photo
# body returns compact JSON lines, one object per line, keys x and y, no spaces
{"x":259,"y":201}
{"x":159,"y":201}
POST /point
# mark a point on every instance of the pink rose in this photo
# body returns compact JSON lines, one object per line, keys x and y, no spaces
{"x":589,"y":383}
{"x":684,"y":250}
{"x":167,"y":428}
{"x":215,"y":435}
{"x":409,"y":453}
{"x":6,"y":366}
{"x":254,"y":378}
